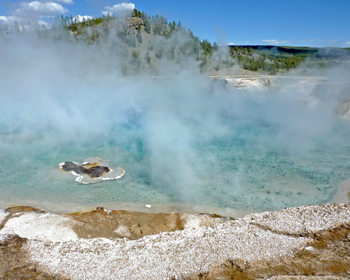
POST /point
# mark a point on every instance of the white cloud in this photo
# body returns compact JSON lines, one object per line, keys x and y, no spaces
{"x":79,"y":18}
{"x":274,"y":42}
{"x":43,"y":23}
{"x":9,"y":19}
{"x":66,"y":2}
{"x":119,"y":8}
{"x":4,"y":19}
{"x":347,"y":43}
{"x":38,"y":9}
{"x":22,"y":25}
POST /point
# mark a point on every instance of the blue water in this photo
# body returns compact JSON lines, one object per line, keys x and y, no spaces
{"x":181,"y":137}
{"x":244,"y":168}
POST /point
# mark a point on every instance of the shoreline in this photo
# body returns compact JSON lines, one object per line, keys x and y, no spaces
{"x":69,"y":208}
{"x":341,"y":195}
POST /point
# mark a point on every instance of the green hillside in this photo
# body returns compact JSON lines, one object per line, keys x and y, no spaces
{"x":143,"y":41}
{"x":142,"y":28}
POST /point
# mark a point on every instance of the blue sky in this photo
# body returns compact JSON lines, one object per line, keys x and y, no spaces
{"x":320,"y":23}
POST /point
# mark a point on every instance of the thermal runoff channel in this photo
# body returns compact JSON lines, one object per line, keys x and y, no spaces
{"x":180,"y":136}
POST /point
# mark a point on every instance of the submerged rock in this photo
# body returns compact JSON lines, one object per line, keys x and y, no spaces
{"x":92,"y":170}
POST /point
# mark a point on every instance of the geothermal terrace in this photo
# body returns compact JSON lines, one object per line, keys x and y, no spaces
{"x":104,"y":244}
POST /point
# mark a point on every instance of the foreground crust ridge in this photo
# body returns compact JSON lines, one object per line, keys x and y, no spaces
{"x":307,"y":242}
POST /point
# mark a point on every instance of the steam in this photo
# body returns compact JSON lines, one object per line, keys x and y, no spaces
{"x":179,"y":129}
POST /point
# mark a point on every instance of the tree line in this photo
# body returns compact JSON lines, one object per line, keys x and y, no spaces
{"x":177,"y":41}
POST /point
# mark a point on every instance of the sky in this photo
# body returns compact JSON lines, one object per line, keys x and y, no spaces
{"x":314,"y":23}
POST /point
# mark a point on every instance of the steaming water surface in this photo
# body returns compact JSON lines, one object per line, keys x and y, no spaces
{"x":217,"y":147}
{"x":184,"y":139}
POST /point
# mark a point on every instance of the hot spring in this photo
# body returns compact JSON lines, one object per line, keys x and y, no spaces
{"x":182,"y":138}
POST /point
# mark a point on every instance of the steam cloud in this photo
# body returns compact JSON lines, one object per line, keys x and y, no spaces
{"x":179,"y":129}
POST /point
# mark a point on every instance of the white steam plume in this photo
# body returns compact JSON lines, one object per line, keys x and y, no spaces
{"x":183,"y":130}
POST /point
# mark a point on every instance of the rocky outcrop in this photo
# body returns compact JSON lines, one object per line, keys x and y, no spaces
{"x":294,"y":243}
{"x":134,"y":23}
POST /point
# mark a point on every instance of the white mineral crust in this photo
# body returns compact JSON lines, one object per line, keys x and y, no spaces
{"x":54,"y":246}
{"x":40,"y":226}
{"x":161,"y":256}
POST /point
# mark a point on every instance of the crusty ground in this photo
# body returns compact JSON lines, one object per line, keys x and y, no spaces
{"x":310,"y":242}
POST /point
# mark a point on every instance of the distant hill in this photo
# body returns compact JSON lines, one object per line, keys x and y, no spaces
{"x":291,"y":50}
{"x":143,"y":42}
{"x":274,"y":59}
{"x":328,"y":51}
{"x":152,"y":38}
